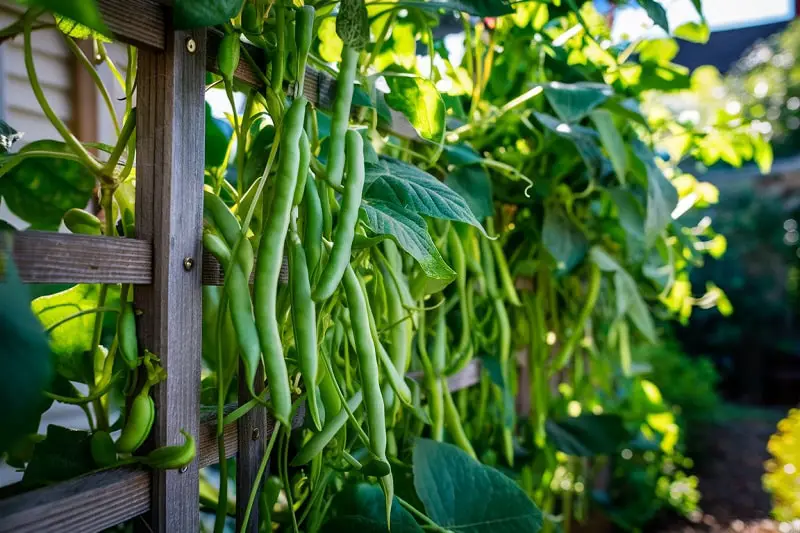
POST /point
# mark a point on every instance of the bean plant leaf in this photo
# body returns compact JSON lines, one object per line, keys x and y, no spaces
{"x":585,"y":140}
{"x":612,"y":141}
{"x":25,"y":365}
{"x":461,"y":154}
{"x":362,"y":507}
{"x":218,"y":133}
{"x":588,"y":435}
{"x":696,"y":32}
{"x":656,"y":12}
{"x":573,"y":101}
{"x":84,"y":12}
{"x":473,"y":184}
{"x":462,"y":495}
{"x":629,"y":300}
{"x":8,"y":136}
{"x":352,"y":23}
{"x":71,"y":342}
{"x":410,"y":232}
{"x":63,"y":454}
{"x":418,"y":99}
{"x":39,"y":190}
{"x":189,"y":14}
{"x":563,"y":239}
{"x":661,"y":195}
{"x":414,"y":190}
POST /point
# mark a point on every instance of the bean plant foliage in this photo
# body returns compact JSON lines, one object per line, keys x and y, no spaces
{"x":507,"y":200}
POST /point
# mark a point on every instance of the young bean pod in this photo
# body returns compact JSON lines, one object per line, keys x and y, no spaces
{"x":345,"y":83}
{"x":339,"y":258}
{"x":270,"y":257}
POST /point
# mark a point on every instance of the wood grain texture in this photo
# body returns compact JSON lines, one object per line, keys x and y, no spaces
{"x":169,"y":205}
{"x":50,"y":257}
{"x":141,"y":23}
{"x":251,"y":429}
{"x":88,"y":503}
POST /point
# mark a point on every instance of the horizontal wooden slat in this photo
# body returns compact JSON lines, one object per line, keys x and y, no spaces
{"x":88,"y":503}
{"x":49,"y":257}
{"x":98,"y":501}
{"x":141,"y":23}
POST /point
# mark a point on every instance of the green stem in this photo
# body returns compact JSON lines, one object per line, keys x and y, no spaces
{"x":565,"y":353}
{"x":420,"y":515}
{"x":259,"y":476}
{"x":111,"y":66}
{"x":84,"y":61}
{"x":122,"y":142}
{"x":59,"y":125}
{"x":79,"y":314}
{"x":283,"y":472}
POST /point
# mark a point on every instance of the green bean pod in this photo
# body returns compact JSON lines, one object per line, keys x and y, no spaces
{"x":228,"y":56}
{"x":304,"y":322}
{"x":318,"y":441}
{"x":452,"y":421}
{"x":304,"y":36}
{"x":172,"y":457}
{"x":241,"y":310}
{"x":339,"y":258}
{"x":225,"y":221}
{"x":345,"y":83}
{"x":367,"y":362}
{"x":488,"y":268}
{"x":305,"y":164}
{"x":313,"y":226}
{"x":82,"y":222}
{"x":137,"y":426}
{"x":126,"y":331}
{"x":506,"y":281}
{"x":270,"y":257}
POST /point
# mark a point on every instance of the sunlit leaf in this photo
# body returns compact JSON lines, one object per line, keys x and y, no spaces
{"x":417,"y":98}
{"x":696,"y":32}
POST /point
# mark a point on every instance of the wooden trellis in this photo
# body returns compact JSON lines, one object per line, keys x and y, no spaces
{"x":167,"y":264}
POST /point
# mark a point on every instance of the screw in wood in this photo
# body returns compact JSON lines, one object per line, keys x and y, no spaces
{"x":256,"y":434}
{"x":188,"y":264}
{"x":191,"y":45}
{"x":183,"y":469}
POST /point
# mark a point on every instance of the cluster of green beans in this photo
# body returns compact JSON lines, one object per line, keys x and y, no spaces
{"x":343,"y":334}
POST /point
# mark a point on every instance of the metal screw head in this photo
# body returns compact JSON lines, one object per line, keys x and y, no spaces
{"x":191,"y":45}
{"x":256,"y":434}
{"x":188,"y":264}
{"x":183,"y":469}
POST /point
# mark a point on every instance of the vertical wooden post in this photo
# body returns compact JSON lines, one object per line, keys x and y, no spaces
{"x":169,"y":213}
{"x":252,"y":443}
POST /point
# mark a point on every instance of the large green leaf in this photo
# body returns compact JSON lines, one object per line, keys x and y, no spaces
{"x":656,"y":12}
{"x":84,"y":12}
{"x":64,"y":454}
{"x":588,"y":435}
{"x":661,"y":195}
{"x":629,"y":300}
{"x":612,"y":141}
{"x":473,"y":184}
{"x":585,"y":140}
{"x":573,"y":101}
{"x":71,"y":341}
{"x":414,"y":190}
{"x":696,"y":32}
{"x":188,"y":14}
{"x":419,"y":100}
{"x":25,"y":365}
{"x":410,"y":232}
{"x":630,"y":212}
{"x":563,"y":239}
{"x":362,"y":507}
{"x":40,"y":190}
{"x":462,"y":495}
